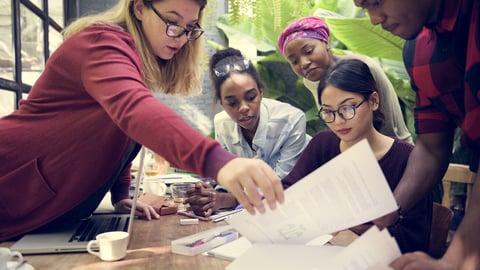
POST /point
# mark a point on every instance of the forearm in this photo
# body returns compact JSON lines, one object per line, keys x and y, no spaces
{"x":464,"y":250}
{"x":426,"y":166}
{"x":224,"y":201}
{"x":120,"y":189}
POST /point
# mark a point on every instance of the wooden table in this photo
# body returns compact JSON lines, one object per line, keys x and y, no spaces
{"x":149,"y":248}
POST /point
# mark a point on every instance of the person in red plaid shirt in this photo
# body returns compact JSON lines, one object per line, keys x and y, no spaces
{"x":442,"y":57}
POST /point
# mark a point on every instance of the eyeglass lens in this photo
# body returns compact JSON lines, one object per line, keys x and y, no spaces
{"x":346,"y":112}
{"x":175,"y":30}
{"x":237,"y":66}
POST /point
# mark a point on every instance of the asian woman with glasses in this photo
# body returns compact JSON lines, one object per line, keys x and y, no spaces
{"x":305,"y":45}
{"x":250,"y":125}
{"x":349,"y":104}
{"x":74,"y":137}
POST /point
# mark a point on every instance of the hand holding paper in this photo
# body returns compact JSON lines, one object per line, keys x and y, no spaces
{"x":347,"y":191}
{"x":243,"y":176}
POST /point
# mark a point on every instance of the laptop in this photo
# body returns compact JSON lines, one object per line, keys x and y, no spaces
{"x":74,"y":237}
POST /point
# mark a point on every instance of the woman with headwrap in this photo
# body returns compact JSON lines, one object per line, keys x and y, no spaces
{"x":305,"y":44}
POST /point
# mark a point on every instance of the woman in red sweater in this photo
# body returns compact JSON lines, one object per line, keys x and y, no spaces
{"x":73,"y":139}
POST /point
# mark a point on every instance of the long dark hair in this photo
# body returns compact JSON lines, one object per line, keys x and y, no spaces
{"x":354,"y":76}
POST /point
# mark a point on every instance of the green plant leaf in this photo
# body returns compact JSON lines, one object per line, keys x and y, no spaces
{"x":361,"y":37}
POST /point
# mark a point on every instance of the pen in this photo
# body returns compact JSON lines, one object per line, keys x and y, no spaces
{"x":203,"y":241}
{"x":226,"y":215}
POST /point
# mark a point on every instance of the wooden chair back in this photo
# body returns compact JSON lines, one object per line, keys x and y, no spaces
{"x":441,"y":218}
{"x":458,"y":173}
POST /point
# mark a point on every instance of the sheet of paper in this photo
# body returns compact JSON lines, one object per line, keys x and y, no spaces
{"x":372,"y":249}
{"x":284,"y":257}
{"x":348,"y":190}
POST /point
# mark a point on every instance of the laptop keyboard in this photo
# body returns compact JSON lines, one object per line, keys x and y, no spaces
{"x":91,"y":227}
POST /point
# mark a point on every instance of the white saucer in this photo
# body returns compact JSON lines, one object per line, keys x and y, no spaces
{"x":26,"y":266}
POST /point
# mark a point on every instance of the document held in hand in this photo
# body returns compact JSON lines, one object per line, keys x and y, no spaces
{"x":347,"y":191}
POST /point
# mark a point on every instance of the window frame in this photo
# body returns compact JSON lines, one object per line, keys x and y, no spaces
{"x":16,"y":85}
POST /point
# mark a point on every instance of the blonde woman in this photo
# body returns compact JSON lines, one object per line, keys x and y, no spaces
{"x":73,"y":139}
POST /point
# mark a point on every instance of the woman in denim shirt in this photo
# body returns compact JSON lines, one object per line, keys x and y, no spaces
{"x":250,"y":125}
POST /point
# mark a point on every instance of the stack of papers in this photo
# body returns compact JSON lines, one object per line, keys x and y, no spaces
{"x":236,"y":248}
{"x":374,"y":248}
{"x":347,"y":191}
{"x":284,"y":257}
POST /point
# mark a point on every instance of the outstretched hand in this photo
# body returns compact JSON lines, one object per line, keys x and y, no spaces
{"x":243,"y":177}
{"x":142,"y":209}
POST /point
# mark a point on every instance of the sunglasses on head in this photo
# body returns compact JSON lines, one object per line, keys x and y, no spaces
{"x":224,"y":69}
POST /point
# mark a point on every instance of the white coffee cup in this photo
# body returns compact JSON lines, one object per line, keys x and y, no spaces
{"x":112,"y":246}
{"x":154,"y":185}
{"x":9,"y":258}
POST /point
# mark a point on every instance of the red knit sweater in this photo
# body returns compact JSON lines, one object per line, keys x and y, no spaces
{"x":68,"y":137}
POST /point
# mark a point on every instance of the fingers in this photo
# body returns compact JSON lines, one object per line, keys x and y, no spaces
{"x":269,"y":184}
{"x":202,"y":204}
{"x":208,"y":212}
{"x":202,"y":210}
{"x":273,"y":191}
{"x":237,"y":190}
{"x":146,"y":211}
{"x":245,"y":177}
{"x":414,"y":260}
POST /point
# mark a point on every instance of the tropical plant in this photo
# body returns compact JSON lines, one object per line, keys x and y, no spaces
{"x":351,"y":32}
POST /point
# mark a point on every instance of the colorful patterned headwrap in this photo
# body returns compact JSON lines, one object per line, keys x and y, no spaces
{"x":308,"y":27}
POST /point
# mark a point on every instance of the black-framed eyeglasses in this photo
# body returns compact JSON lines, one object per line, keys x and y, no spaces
{"x":174,"y":30}
{"x":237,"y":66}
{"x":346,"y":112}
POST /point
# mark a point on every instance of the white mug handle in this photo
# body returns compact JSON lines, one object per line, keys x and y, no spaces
{"x":163,"y":189}
{"x":18,"y":255}
{"x":89,"y":247}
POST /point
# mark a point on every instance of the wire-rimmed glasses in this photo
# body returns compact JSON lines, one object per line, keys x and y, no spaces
{"x":346,"y":112}
{"x":238,"y":66}
{"x":174,"y":30}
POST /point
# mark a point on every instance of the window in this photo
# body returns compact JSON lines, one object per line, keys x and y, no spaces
{"x":30,"y":30}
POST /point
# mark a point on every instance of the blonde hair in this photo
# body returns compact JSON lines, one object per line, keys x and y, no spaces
{"x":180,"y":75}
